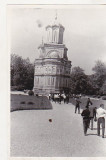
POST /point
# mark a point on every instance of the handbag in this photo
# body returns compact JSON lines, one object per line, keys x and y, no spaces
{"x":95,"y":119}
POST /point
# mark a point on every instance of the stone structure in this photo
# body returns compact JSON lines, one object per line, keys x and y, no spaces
{"x":52,"y":69}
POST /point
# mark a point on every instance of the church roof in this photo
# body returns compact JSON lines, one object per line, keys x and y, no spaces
{"x":55,"y":25}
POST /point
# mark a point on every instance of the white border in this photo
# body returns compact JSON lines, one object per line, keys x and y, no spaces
{"x":4,"y":74}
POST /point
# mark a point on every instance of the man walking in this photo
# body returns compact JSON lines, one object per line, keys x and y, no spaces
{"x":86,"y":120}
{"x":92,"y":115}
{"x":64,"y":96}
{"x":67,"y":98}
{"x":89,"y":102}
{"x":77,"y":105}
{"x":101,"y":113}
{"x":49,"y":96}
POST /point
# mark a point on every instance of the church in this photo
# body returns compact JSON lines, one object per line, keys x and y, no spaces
{"x":52,"y":68}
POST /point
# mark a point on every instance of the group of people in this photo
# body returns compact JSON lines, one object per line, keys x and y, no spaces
{"x":57,"y":97}
{"x":91,"y":114}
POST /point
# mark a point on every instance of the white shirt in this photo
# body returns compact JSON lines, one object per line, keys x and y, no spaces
{"x":101,"y":112}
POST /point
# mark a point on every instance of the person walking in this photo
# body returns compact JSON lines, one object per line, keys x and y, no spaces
{"x":77,"y":107}
{"x":67,"y":98}
{"x":49,"y":96}
{"x":101,"y":113}
{"x":60,"y":98}
{"x":64,"y":96}
{"x":89,"y":102}
{"x":92,"y":115}
{"x":86,"y":120}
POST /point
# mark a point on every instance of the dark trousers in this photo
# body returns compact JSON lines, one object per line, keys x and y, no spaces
{"x":86,"y":125}
{"x":77,"y":108}
{"x":64,"y":100}
{"x":101,"y":121}
{"x":67,"y":100}
{"x":60,"y":99}
{"x":91,"y":122}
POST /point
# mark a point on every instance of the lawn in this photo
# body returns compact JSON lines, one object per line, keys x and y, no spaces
{"x":25,"y":102}
{"x":96,"y":102}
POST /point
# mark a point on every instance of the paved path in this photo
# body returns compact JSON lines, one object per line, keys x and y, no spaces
{"x":32,"y":135}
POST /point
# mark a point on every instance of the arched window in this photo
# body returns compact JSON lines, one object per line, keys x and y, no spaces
{"x":52,"y":82}
{"x":49,"y":32}
{"x":55,"y":36}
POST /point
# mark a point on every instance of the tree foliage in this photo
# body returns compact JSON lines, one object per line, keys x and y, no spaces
{"x":88,"y":84}
{"x":22,"y":72}
{"x":79,"y":82}
{"x":99,"y":76}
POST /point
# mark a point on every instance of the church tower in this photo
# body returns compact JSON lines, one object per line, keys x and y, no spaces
{"x":52,"y":69}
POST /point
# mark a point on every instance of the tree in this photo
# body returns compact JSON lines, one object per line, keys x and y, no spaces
{"x":22,"y":72}
{"x":99,"y":74}
{"x":79,"y":82}
{"x":77,"y":70}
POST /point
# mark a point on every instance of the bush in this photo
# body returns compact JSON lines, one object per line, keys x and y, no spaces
{"x":22,"y":102}
{"x":31,"y":103}
{"x":99,"y":96}
{"x":17,"y":88}
{"x":31,"y":93}
{"x":104,"y":98}
{"x":20,"y":88}
{"x":94,"y":96}
{"x":13,"y":88}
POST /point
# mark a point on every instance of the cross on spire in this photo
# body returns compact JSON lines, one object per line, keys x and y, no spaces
{"x":56,"y":15}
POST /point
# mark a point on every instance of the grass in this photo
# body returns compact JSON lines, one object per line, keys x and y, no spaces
{"x":104,"y":97}
{"x":96,"y":102}
{"x":25,"y":102}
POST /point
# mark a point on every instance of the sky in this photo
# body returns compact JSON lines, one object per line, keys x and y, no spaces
{"x":84,"y":35}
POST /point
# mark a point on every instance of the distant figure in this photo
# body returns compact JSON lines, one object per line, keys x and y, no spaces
{"x":77,"y":106}
{"x":89,"y":102}
{"x":60,"y":98}
{"x":56,"y":98}
{"x":52,"y":97}
{"x":86,"y":120}
{"x":64,"y":96}
{"x":101,"y":113}
{"x":37,"y":95}
{"x":49,"y":96}
{"x":80,"y":95}
{"x":73,"y":95}
{"x":67,"y":98}
{"x":92,"y":115}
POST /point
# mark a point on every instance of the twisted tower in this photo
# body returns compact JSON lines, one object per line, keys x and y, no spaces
{"x":52,"y":69}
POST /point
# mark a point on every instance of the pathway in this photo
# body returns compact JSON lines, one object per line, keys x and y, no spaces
{"x":32,"y":135}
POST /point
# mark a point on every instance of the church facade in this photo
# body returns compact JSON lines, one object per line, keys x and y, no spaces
{"x":52,"y":68}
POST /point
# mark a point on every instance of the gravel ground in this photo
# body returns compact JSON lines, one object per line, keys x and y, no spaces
{"x":32,"y":135}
